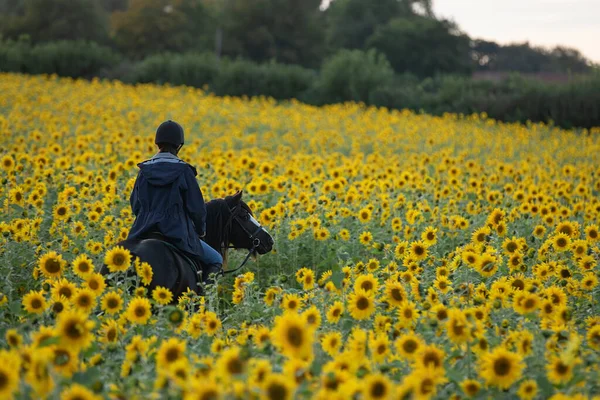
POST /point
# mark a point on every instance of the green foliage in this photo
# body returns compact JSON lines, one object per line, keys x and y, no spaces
{"x":422,"y":46}
{"x":151,"y":26}
{"x":48,"y":20}
{"x":353,"y":75}
{"x":190,"y":69}
{"x":287,"y":31}
{"x":64,"y":58}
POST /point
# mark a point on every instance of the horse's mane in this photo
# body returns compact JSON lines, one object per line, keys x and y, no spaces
{"x":217,"y":233}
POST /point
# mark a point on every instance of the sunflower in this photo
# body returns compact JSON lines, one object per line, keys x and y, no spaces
{"x":95,"y":282}
{"x":51,"y":265}
{"x":365,"y":238}
{"x":561,"y":242}
{"x":83,"y":266}
{"x":364,"y":215}
{"x":118,"y":259}
{"x":109,"y":331}
{"x":361,"y":305}
{"x":84,"y":299}
{"x":212,"y":323}
{"x":9,"y":375}
{"x":488,"y":265}
{"x":558,"y":371}
{"x":170,"y":351}
{"x":35,"y":302}
{"x":418,"y":250}
{"x":335,"y":312}
{"x":331,"y":343}
{"x":408,"y":345}
{"x":78,"y":392}
{"x":61,"y":212}
{"x":395,"y":293}
{"x":527,"y":303}
{"x":64,"y":288}
{"x":501,"y":367}
{"x":443,"y":284}
{"x":527,"y":390}
{"x":377,"y":386}
{"x":162,"y":295}
{"x":407,"y":314}
{"x":593,"y":337}
{"x":278,"y":387}
{"x":65,"y":360}
{"x":424,"y":382}
{"x":379,"y":346}
{"x":457,"y":326}
{"x":292,"y":336}
{"x":312,"y":316}
{"x":203,"y":389}
{"x":74,"y":329}
{"x":145,"y":273}
{"x":470,"y":387}
{"x":112,"y":302}
{"x":138,"y":310}
{"x":368,"y":283}
{"x":7,"y":163}
{"x":592,"y":233}
{"x":291,"y":302}
{"x":231,"y":364}
{"x":429,"y":356}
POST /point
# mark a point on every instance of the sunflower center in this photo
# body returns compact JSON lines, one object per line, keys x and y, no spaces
{"x":93,"y":284}
{"x":276,"y":391}
{"x":36,"y":303}
{"x":562,"y":368}
{"x":397,"y":294}
{"x":431,"y":358}
{"x":111,"y":335}
{"x":73,"y":330}
{"x":83,"y":266}
{"x":52,"y":266}
{"x":118,"y":259}
{"x":426,"y":386}
{"x":367,"y":285}
{"x":65,"y":291}
{"x":295,"y":336}
{"x":140,"y":312}
{"x":336,"y":313}
{"x":112,"y":303}
{"x":409,"y":346}
{"x":378,"y":390}
{"x":502,"y":366}
{"x":235,"y":366}
{"x":529,"y":303}
{"x":362,"y":303}
{"x":561,"y":242}
{"x":172,"y":354}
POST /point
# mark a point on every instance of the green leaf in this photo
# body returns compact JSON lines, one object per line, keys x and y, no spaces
{"x":89,"y":376}
{"x":49,"y":341}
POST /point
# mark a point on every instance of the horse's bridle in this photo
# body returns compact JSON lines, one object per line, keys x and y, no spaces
{"x":233,"y":216}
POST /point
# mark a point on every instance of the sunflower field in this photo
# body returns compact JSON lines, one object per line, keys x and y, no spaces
{"x":415,"y":257}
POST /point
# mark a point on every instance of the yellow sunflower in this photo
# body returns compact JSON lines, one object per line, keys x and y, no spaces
{"x":138,"y":310}
{"x":83,"y":266}
{"x":292,"y":336}
{"x":35,"y":302}
{"x":74,"y":329}
{"x":162,"y":295}
{"x":118,"y":259}
{"x":51,"y":265}
{"x":501,"y":367}
{"x":361,"y":305}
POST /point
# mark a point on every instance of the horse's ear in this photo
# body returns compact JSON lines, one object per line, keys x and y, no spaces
{"x":237,"y":197}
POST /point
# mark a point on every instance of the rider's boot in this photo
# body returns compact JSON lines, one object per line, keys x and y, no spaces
{"x":210,"y":272}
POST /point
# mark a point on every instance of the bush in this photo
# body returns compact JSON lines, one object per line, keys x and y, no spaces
{"x":191,"y":69}
{"x":353,"y":75}
{"x":65,"y":58}
{"x":280,"y":81}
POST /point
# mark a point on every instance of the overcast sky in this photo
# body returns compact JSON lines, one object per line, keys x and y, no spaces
{"x":574,"y":23}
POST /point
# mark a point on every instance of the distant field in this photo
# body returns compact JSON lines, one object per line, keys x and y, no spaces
{"x":415,"y":256}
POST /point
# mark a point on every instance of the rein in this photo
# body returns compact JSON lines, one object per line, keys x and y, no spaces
{"x":252,"y":236}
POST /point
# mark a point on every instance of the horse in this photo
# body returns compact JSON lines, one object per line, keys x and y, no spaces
{"x":229,"y":225}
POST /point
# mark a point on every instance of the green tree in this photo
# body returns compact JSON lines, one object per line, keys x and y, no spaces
{"x":288,"y":31}
{"x":49,"y":20}
{"x":422,"y":46}
{"x":150,"y":26}
{"x":352,"y":22}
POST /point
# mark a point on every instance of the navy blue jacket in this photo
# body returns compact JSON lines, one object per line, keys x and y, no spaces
{"x":166,"y":198}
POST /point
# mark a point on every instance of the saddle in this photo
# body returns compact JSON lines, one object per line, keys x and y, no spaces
{"x":197,"y":267}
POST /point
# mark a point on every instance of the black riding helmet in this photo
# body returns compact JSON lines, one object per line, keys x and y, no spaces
{"x":169,"y":132}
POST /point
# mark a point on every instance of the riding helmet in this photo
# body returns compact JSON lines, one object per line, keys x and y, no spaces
{"x":169,"y":132}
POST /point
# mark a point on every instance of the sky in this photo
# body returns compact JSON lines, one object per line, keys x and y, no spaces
{"x":573,"y":23}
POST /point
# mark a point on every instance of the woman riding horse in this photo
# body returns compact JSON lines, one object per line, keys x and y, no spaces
{"x":171,"y":220}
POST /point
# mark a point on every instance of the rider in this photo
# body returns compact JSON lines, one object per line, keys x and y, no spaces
{"x":166,"y":199}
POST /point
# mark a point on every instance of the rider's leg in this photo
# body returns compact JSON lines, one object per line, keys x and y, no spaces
{"x":212,"y":260}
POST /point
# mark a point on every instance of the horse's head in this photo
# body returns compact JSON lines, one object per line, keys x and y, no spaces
{"x":246,"y":231}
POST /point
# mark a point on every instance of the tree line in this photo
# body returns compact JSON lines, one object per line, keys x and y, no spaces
{"x":302,"y":32}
